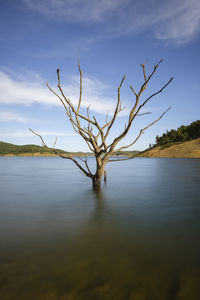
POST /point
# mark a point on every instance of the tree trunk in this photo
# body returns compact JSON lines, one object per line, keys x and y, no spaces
{"x":96,"y":180}
{"x":96,"y":183}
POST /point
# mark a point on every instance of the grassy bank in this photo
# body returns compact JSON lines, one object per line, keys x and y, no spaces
{"x":189,"y":149}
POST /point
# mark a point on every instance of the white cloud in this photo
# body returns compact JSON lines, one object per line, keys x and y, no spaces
{"x":7,"y":116}
{"x":15,"y":91}
{"x":176,"y":21}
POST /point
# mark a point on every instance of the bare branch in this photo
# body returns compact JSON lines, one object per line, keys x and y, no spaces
{"x":146,"y":113}
{"x":144,"y":85}
{"x":122,"y":81}
{"x":81,"y":158}
{"x":80,"y":97}
{"x":144,"y":71}
{"x":43,"y":143}
{"x":156,"y":93}
{"x":55,"y":142}
{"x":57,"y":96}
{"x":117,"y":108}
{"x":131,"y":87}
{"x":68,"y":100}
{"x":82,"y":173}
{"x":122,"y":159}
{"x":60,"y":154}
{"x":86,"y":163}
{"x":70,"y":106}
{"x":158,"y":118}
{"x":90,"y":146}
{"x":101,"y":133}
{"x":62,"y":93}
{"x":88,"y":115}
{"x":142,"y":131}
{"x":127,"y":158}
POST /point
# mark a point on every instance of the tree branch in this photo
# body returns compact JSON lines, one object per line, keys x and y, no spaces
{"x":80,"y":97}
{"x":60,"y":154}
{"x":117,"y":108}
{"x":142,"y":131}
{"x":156,"y":93}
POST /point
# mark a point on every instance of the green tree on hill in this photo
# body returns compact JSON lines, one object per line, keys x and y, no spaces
{"x":182,"y":134}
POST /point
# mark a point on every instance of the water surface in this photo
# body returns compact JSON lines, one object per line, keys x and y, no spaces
{"x":137,"y":239}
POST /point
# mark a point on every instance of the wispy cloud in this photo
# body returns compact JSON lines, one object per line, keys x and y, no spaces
{"x":75,"y":10}
{"x":15,"y":91}
{"x":182,"y":24}
{"x":27,"y":133}
{"x":176,"y":21}
{"x":8,"y":116}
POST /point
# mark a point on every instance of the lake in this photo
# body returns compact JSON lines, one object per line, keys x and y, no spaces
{"x":138,"y":239}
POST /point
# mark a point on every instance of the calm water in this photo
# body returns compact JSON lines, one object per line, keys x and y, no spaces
{"x":138,"y":239}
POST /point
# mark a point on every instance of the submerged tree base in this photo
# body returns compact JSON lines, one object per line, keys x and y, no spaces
{"x":96,"y":185}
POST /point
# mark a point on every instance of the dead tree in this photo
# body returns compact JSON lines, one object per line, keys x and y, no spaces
{"x":96,"y":135}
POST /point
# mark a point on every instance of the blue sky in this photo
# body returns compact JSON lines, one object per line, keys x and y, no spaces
{"x":112,"y":38}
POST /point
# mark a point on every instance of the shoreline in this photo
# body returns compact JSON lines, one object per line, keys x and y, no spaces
{"x":189,"y":149}
{"x":41,"y":155}
{"x":82,"y":155}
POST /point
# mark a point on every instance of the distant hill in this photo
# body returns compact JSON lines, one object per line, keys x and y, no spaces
{"x":30,"y":150}
{"x":126,"y":153}
{"x":7,"y":149}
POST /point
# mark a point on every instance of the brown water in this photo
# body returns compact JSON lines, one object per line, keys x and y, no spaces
{"x":137,"y":239}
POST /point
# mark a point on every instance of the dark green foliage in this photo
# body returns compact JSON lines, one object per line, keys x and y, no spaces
{"x":6,"y":148}
{"x":182,"y":134}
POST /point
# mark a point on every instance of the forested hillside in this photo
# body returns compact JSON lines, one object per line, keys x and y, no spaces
{"x":7,"y":148}
{"x":182,"y":134}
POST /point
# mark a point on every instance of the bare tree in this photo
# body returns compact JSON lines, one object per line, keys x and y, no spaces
{"x":96,"y":135}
